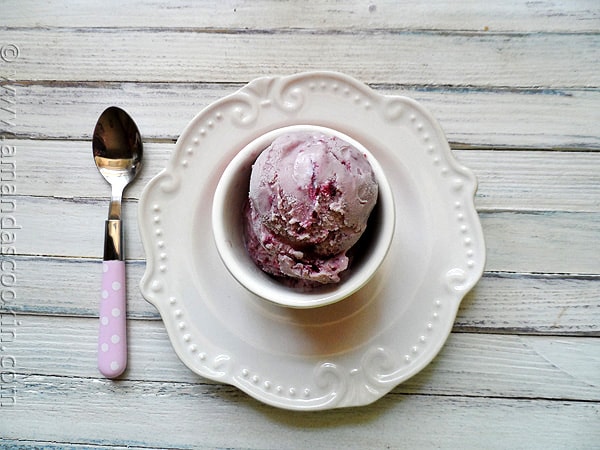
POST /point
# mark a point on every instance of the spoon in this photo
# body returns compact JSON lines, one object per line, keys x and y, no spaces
{"x":117,"y":147}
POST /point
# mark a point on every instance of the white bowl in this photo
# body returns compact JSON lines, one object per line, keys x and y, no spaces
{"x":227,"y":224}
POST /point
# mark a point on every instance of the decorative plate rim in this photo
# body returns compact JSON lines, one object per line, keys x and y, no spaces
{"x":358,"y":376}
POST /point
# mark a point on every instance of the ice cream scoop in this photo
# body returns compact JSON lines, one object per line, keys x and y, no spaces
{"x":232,"y":194}
{"x":310,"y":197}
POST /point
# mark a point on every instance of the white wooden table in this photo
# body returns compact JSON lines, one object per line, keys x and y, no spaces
{"x":515,"y":85}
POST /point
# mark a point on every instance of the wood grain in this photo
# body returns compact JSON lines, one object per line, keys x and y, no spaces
{"x":515,"y":241}
{"x":395,"y":421}
{"x":507,"y":180}
{"x":492,"y":117}
{"x":515,"y":86}
{"x":511,"y":15}
{"x":474,"y":365}
{"x":500,"y":302}
{"x":423,"y":58}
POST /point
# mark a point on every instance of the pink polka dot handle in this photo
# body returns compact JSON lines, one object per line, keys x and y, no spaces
{"x":112,"y":337}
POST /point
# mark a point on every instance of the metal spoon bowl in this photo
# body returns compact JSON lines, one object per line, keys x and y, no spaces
{"x":118,"y":151}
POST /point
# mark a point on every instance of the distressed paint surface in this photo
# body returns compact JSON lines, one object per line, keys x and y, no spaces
{"x":515,"y":86}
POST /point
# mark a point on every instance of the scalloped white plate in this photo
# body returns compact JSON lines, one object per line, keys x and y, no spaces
{"x":347,"y":354}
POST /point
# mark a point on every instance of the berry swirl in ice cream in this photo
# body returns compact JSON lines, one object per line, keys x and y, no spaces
{"x":309,"y":201}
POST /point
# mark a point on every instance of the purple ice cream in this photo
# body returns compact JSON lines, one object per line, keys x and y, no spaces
{"x":310,"y":198}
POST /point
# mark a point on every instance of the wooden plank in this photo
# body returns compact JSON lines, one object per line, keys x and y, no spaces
{"x":76,"y":289}
{"x":505,"y":303}
{"x":534,"y":181}
{"x":542,"y":242}
{"x":508,"y":180}
{"x":551,"y":242}
{"x":510,"y":15}
{"x":532,"y":118}
{"x":24,"y":444}
{"x":475,"y":365}
{"x":518,"y":303}
{"x":92,"y":411}
{"x":54,"y":180}
{"x":486,"y":59}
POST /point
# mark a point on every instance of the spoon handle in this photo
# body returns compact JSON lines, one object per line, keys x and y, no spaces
{"x":112,"y":337}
